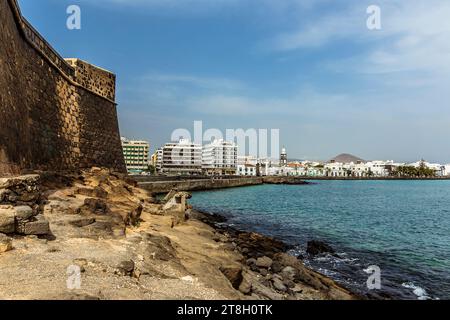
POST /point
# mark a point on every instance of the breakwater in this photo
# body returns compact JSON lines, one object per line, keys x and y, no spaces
{"x":166,"y":184}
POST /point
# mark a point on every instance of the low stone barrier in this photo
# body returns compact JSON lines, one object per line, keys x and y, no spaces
{"x":212,"y":183}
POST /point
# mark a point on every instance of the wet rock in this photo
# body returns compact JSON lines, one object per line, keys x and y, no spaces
{"x":287,"y":260}
{"x":233,"y":274}
{"x":315,"y":248}
{"x":5,"y":243}
{"x":264,"y":262}
{"x":259,"y":245}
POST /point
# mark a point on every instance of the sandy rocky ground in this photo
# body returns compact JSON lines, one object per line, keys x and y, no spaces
{"x":127,"y":245}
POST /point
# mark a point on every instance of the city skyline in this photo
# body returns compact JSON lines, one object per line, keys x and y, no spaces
{"x":310,"y":68}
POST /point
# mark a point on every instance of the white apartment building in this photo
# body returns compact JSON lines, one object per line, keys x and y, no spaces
{"x":219,"y":158}
{"x":136,"y":155}
{"x":181,"y":158}
{"x":246,"y":170}
{"x":446,"y":170}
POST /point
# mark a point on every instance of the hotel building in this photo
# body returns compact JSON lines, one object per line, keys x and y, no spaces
{"x":219,"y":158}
{"x":181,"y":158}
{"x":136,"y":154}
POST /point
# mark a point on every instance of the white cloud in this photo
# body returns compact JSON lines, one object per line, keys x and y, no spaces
{"x":414,"y":36}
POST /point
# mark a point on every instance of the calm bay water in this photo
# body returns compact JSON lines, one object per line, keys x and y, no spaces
{"x":401,"y":226}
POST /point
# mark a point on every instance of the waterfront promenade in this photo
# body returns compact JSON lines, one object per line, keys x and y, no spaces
{"x":166,"y":184}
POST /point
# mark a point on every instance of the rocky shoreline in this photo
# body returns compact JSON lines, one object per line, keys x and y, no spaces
{"x":122,"y":244}
{"x":269,"y":272}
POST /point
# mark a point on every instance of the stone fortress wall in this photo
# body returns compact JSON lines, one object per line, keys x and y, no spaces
{"x":55,"y":114}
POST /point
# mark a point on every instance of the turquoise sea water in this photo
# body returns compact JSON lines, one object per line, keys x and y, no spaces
{"x":401,"y":226}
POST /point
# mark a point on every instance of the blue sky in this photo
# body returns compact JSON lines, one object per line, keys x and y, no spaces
{"x":309,"y":68}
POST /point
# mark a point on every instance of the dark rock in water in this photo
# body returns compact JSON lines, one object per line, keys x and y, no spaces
{"x":317,"y":247}
{"x":234,"y":275}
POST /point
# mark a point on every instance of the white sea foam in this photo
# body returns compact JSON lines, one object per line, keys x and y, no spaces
{"x":421,"y":293}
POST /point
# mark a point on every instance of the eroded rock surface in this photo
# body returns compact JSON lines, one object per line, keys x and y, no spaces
{"x":98,"y":226}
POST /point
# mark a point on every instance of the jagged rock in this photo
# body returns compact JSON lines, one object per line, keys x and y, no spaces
{"x":96,"y":192}
{"x":317,"y":247}
{"x":264,"y":262}
{"x":158,"y":247}
{"x":37,"y":226}
{"x":233,"y":274}
{"x":278,"y":284}
{"x":263,"y":272}
{"x":276,"y":267}
{"x":265,"y":292}
{"x":21,"y":189}
{"x":126,"y":268}
{"x":5,"y":243}
{"x":7,"y":220}
{"x":28,"y":182}
{"x":259,"y":245}
{"x":134,"y":216}
{"x":97,"y":206}
{"x":288,"y":273}
{"x":4,"y":195}
{"x":289,"y":283}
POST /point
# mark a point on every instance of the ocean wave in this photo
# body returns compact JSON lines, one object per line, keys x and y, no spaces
{"x":421,"y":293}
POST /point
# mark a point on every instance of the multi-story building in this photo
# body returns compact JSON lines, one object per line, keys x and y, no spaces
{"x":181,"y":158}
{"x":136,"y":154}
{"x":219,"y":158}
{"x":156,"y":160}
{"x":246,"y":170}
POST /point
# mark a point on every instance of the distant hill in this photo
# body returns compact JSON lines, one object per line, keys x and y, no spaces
{"x":346,"y":158}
